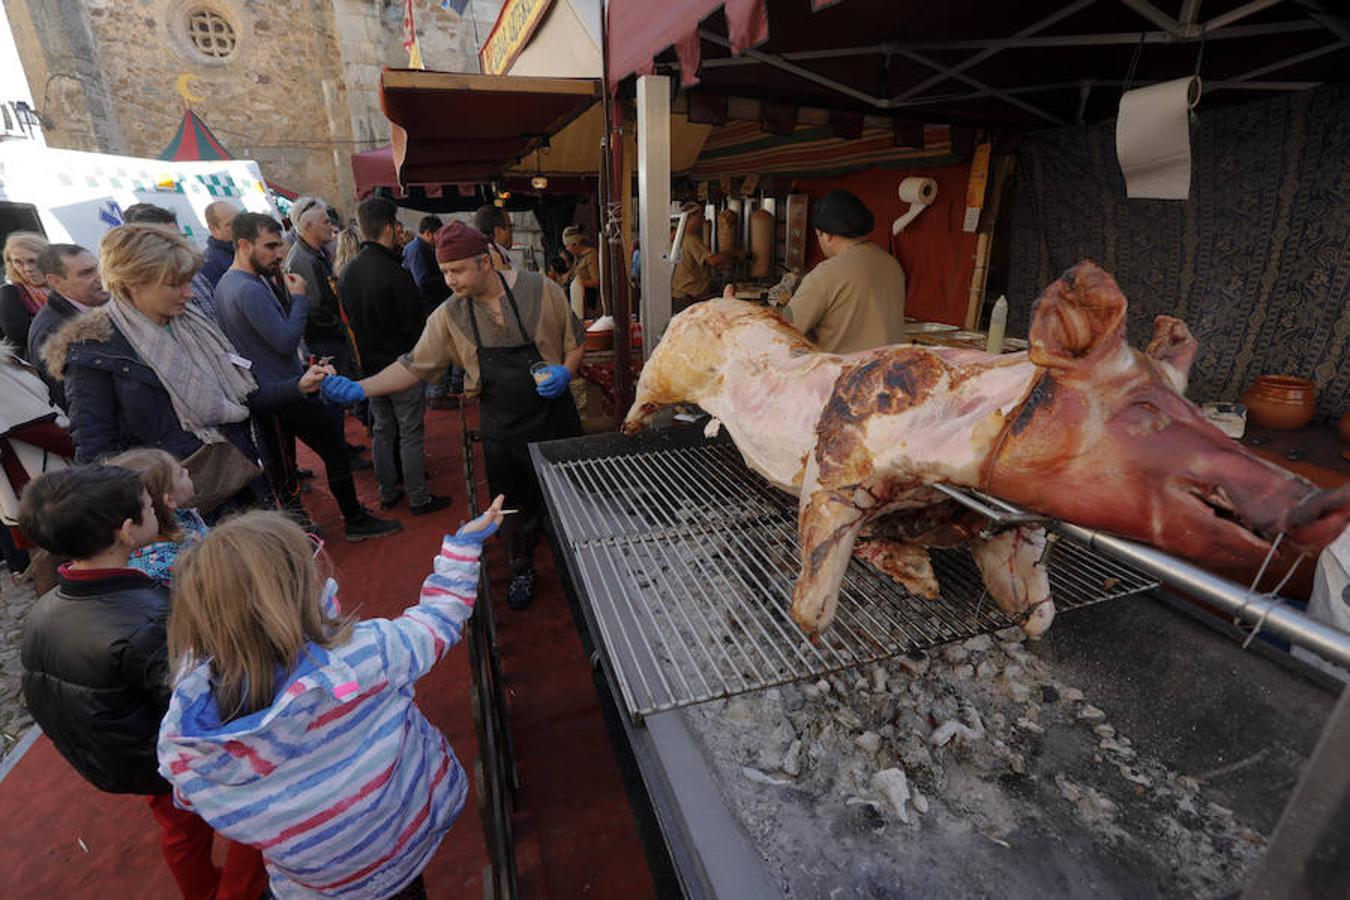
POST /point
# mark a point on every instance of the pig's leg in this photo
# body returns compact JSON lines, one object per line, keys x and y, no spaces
{"x":828,"y":525}
{"x":1010,"y":564}
{"x":907,"y":563}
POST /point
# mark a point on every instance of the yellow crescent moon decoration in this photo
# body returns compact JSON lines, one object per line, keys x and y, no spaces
{"x":184,"y":86}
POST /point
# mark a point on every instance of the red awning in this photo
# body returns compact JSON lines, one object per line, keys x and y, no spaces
{"x":1031,"y":64}
{"x":374,"y":169}
{"x":448,"y":127}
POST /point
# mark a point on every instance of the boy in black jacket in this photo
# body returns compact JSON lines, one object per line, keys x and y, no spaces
{"x":95,"y":661}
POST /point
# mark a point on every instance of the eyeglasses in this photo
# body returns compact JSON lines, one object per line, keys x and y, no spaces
{"x":317,"y":541}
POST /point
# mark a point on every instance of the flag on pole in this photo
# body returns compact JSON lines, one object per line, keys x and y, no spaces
{"x":457,"y":5}
{"x":410,"y":37}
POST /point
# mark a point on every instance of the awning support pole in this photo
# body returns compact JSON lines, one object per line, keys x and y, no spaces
{"x":653,"y":149}
{"x":611,"y":232}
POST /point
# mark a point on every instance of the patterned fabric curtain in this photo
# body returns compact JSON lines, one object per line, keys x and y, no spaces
{"x":1257,"y":261}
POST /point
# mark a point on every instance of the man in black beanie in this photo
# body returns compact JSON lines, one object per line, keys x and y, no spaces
{"x":855,"y":298}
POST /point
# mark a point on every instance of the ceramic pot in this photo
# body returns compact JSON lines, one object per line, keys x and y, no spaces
{"x":1281,"y":401}
{"x":599,"y":340}
{"x":1345,"y":428}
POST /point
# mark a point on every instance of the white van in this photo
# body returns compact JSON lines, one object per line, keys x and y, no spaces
{"x":74,"y":197}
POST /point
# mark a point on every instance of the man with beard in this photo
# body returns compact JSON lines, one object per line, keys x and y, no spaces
{"x":265,"y":324}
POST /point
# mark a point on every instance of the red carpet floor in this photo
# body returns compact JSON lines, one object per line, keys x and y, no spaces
{"x":575,"y":834}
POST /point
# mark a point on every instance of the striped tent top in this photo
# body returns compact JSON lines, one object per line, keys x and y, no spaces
{"x":194,"y":141}
{"x":342,"y":783}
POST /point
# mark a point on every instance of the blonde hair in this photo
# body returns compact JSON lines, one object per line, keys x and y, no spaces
{"x":248,"y":599}
{"x":348,"y":245}
{"x":21,"y":240}
{"x":158,"y":470}
{"x":145,"y":254}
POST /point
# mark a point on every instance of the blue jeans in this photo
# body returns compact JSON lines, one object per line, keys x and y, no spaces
{"x":398,"y":433}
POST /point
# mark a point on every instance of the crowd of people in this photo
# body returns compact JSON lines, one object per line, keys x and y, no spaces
{"x":192,"y":648}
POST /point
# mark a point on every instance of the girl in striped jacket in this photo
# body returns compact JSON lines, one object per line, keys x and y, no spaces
{"x":294,"y":730}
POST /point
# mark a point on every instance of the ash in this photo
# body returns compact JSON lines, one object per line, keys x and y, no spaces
{"x":969,"y":772}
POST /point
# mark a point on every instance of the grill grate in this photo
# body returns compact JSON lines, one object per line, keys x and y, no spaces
{"x":689,"y":561}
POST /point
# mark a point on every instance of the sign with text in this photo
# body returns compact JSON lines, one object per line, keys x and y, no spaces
{"x":515,"y":26}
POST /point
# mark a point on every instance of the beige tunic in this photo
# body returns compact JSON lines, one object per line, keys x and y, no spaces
{"x":691,"y":276}
{"x":853,"y":301}
{"x":447,"y":338}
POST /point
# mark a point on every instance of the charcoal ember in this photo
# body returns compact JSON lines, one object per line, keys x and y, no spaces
{"x":945,"y":707}
{"x":792,"y":759}
{"x":914,"y":753}
{"x":878,"y":676}
{"x":955,"y":653}
{"x":869,"y":741}
{"x":848,"y":718}
{"x":740,"y":711}
{"x":913,"y":664}
{"x":1090,"y":713}
{"x":894,"y":786}
{"x":774,"y":747}
{"x":986,"y":670}
{"x":1010,"y":635}
{"x":910,"y":722}
{"x":978,"y":644}
{"x":860,"y":817}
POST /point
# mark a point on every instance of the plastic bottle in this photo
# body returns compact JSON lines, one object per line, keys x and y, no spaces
{"x":998,"y":321}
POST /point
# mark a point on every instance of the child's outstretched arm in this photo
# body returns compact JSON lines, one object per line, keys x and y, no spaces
{"x":427,"y":631}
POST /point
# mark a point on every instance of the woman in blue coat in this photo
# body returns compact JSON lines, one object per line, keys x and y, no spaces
{"x":148,"y":369}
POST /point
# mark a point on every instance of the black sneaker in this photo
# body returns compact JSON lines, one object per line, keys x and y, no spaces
{"x":432,"y":504}
{"x":365,"y":527}
{"x":393,"y":501}
{"x":304,"y":474}
{"x":354,"y":449}
{"x":521,"y":591}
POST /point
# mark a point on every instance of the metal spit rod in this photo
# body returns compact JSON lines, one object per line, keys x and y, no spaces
{"x":1263,"y":610}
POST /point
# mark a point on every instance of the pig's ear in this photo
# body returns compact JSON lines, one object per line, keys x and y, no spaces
{"x":1079,"y":319}
{"x":1173,"y":349}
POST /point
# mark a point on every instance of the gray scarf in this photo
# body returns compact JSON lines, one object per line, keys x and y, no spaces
{"x":193,"y":361}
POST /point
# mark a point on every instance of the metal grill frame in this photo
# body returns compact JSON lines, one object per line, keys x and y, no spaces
{"x":652,"y":530}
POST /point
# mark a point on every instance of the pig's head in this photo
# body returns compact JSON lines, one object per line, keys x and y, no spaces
{"x":687,"y":364}
{"x":1106,"y":440}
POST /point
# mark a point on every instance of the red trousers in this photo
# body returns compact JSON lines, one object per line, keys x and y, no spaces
{"x":186,"y":841}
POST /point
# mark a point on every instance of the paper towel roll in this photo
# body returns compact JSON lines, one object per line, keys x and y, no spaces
{"x":1153,"y":139}
{"x":918,"y":193}
{"x":918,"y":190}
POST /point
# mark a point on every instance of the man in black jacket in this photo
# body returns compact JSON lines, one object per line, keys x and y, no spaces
{"x":95,"y":660}
{"x":75,"y":287}
{"x":385,"y":310}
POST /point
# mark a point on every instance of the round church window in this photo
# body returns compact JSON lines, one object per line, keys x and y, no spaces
{"x":211,"y":33}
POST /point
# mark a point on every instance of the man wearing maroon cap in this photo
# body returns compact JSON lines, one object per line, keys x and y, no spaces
{"x":519,"y":344}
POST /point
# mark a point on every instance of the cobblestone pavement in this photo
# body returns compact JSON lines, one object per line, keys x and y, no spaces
{"x":15,"y":601}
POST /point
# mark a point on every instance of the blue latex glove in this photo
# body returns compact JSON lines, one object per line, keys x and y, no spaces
{"x":342,"y":390}
{"x":558,"y":379}
{"x":483,"y":527}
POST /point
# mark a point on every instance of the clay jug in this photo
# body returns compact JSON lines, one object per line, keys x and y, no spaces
{"x":1281,"y":401}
